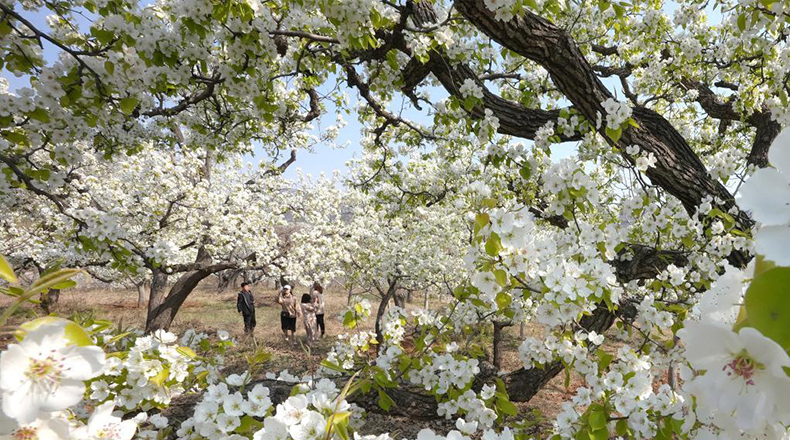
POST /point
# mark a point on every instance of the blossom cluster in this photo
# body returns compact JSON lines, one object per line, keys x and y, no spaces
{"x":617,"y":113}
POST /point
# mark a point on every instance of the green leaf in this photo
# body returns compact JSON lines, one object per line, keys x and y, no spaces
{"x":481,"y":220}
{"x":501,"y":277}
{"x":614,"y":134}
{"x":6,"y":272}
{"x":742,"y":22}
{"x":65,"y":285}
{"x":762,"y":265}
{"x":768,"y":305}
{"x":604,"y":359}
{"x":601,"y":434}
{"x":469,"y":103}
{"x":15,"y":137}
{"x":160,"y":378}
{"x":248,"y":425}
{"x":597,"y":419}
{"x":334,"y":367}
{"x":109,"y":67}
{"x":39,"y":114}
{"x":493,"y":245}
{"x":128,"y":105}
{"x":72,"y":332}
{"x":525,"y":171}
{"x":104,"y":36}
{"x":506,"y":406}
{"x":350,"y":319}
{"x":619,"y":11}
{"x":490,"y":203}
{"x":621,"y":428}
{"x":503,"y":300}
{"x":50,"y":280}
{"x":385,"y":401}
{"x":186,"y":351}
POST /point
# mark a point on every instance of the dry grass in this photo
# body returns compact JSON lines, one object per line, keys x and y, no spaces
{"x":208,"y":310}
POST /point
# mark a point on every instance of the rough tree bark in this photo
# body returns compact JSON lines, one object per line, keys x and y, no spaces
{"x":498,"y":337}
{"x":140,"y":293}
{"x":49,"y":299}
{"x":400,"y":299}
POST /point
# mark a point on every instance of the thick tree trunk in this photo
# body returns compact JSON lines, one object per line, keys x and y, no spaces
{"x":400,"y":299}
{"x":425,"y":300}
{"x":140,"y":294}
{"x":408,"y":296}
{"x":498,"y":337}
{"x":49,"y":299}
{"x":156,"y":295}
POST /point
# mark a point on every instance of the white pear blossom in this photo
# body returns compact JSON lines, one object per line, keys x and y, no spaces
{"x":741,"y":376}
{"x":45,"y":373}
{"x":767,"y":195}
{"x":102,"y":425}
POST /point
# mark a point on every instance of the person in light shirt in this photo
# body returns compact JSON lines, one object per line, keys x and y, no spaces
{"x":290,"y":311}
{"x":318,"y":301}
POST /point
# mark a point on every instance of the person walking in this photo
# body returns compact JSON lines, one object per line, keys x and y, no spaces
{"x":318,"y":301}
{"x":289,"y":313}
{"x":308,"y":317}
{"x":245,"y":304}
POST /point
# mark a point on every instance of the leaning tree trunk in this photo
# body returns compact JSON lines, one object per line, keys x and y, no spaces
{"x":161,"y":316}
{"x":162,"y":311}
{"x":350,"y":293}
{"x":392,"y":288}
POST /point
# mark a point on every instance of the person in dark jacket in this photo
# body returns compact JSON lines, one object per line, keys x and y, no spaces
{"x":246,"y":306}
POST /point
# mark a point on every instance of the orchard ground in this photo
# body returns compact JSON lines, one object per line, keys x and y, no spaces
{"x":208,"y":310}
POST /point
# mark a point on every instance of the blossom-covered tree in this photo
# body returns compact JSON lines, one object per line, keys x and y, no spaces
{"x":634,"y":233}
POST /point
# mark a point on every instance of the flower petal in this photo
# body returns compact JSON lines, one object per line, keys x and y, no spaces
{"x":767,"y":195}
{"x":22,"y":405}
{"x":83,"y":363}
{"x":708,"y":344}
{"x":779,"y":153}
{"x":46,"y":338}
{"x":765,"y":351}
{"x":13,"y":363}
{"x":773,"y":242}
{"x":67,"y":394}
